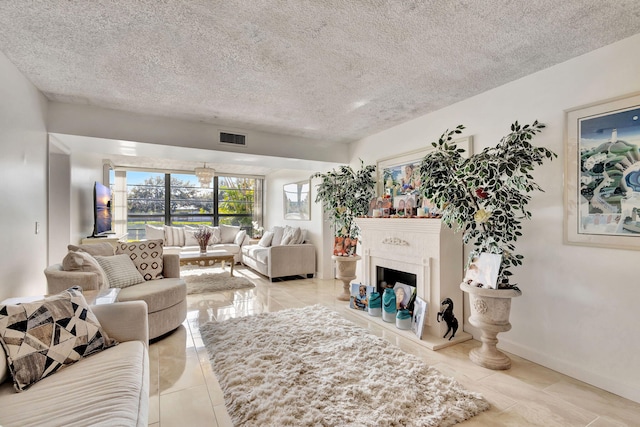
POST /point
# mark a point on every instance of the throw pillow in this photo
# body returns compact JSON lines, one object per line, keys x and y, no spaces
{"x":154,"y":232}
{"x":290,"y":235}
{"x":240,"y":237}
{"x":42,"y":337}
{"x":303,"y":237}
{"x":146,"y":255}
{"x":82,"y":261}
{"x":102,"y":248}
{"x":189,"y":238}
{"x":266,"y":239}
{"x":215,"y":235}
{"x":120,"y":270}
{"x":228,"y":233}
{"x":277,"y":236}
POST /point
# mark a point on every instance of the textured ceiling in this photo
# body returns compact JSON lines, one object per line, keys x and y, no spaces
{"x":334,"y":70}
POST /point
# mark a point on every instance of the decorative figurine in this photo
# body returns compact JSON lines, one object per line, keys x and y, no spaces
{"x":447,"y":315}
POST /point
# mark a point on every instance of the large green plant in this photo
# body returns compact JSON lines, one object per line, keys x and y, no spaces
{"x":486,"y":194}
{"x":345,"y":194}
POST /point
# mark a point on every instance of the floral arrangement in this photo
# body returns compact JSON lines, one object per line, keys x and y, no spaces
{"x":202,"y":235}
{"x":485,"y":195}
{"x":257,"y":229}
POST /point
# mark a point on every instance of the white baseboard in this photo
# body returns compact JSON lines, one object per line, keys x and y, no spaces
{"x":628,"y":391}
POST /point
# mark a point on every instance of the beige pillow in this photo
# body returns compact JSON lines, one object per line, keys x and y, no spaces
{"x":290,"y":235}
{"x":120,"y":270}
{"x":266,"y":239}
{"x":102,"y":248}
{"x":277,"y":236}
{"x":82,"y":261}
{"x":228,"y":233}
{"x":215,"y":235}
{"x":64,"y":331}
{"x":146,"y":256}
{"x":154,"y":232}
{"x":174,"y":236}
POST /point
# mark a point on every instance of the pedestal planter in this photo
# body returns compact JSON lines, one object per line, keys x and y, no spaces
{"x":490,"y":313}
{"x":346,"y":272}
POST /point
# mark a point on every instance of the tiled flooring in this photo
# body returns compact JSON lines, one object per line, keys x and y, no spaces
{"x":185,"y":392}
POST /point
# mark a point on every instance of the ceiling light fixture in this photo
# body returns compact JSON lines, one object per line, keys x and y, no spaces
{"x":205,"y":175}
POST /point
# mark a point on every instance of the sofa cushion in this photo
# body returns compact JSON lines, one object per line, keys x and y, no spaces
{"x":154,"y":232}
{"x":257,"y":252}
{"x":174,"y":236}
{"x":102,"y":248}
{"x":215,"y":235}
{"x":101,"y":390}
{"x":83,"y":261}
{"x":240,"y":237}
{"x":277,"y":236}
{"x":189,"y":238}
{"x":120,"y":270}
{"x":228,"y":233}
{"x":42,"y":337}
{"x":290,"y":236}
{"x":158,"y":295}
{"x":146,"y":255}
{"x":266,"y":239}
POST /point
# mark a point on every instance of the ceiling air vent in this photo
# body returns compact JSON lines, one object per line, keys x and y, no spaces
{"x":233,"y":138}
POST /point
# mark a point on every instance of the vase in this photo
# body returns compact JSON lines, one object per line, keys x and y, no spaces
{"x":346,"y":272}
{"x":403,"y":319}
{"x":389,"y":307}
{"x":203,"y":246}
{"x":490,"y":310}
{"x":375,"y":304}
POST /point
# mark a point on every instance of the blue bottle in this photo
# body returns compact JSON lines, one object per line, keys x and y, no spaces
{"x":389,"y":305}
{"x":375,"y":304}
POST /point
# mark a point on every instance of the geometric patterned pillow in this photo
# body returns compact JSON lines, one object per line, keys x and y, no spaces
{"x":120,"y":270}
{"x":146,"y":255}
{"x":42,"y":337}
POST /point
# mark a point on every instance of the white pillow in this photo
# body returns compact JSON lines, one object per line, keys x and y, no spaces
{"x":266,"y":239}
{"x":290,"y":235}
{"x":240,"y":237}
{"x":228,"y":233}
{"x":153,"y":232}
{"x":277,"y":236}
{"x":174,"y":235}
{"x":303,"y":236}
{"x":189,"y":238}
{"x":215,"y":235}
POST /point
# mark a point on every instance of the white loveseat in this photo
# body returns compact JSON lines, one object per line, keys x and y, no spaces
{"x":282,"y":252}
{"x":180,"y":239}
{"x":98,"y":390}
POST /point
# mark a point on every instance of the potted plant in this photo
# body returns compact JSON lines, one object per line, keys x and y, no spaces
{"x":345,"y":194}
{"x":485,"y":196}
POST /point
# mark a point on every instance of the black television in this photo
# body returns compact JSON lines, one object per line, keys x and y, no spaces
{"x":101,"y":210}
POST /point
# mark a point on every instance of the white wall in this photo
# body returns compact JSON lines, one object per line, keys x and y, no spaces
{"x":578,"y":312}
{"x":274,"y":214}
{"x":86,"y":169}
{"x":23,"y":193}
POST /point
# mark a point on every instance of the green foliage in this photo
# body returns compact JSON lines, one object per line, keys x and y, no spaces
{"x":485,"y":196}
{"x":345,"y":194}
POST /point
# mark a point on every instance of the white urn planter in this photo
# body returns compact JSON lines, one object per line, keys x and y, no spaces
{"x":490,"y":310}
{"x":346,"y":272}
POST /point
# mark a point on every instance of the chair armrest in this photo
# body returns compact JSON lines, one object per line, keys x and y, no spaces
{"x":124,"y":321}
{"x":171,"y":265}
{"x":59,"y":280}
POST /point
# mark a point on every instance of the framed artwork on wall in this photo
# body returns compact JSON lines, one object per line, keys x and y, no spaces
{"x":297,"y":200}
{"x":399,"y":175}
{"x":602,"y":174}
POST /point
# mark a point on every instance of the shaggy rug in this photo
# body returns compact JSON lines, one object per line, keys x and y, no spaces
{"x":210,"y":279}
{"x":310,"y":366}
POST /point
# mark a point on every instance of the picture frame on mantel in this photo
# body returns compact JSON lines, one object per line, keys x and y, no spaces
{"x":297,"y":200}
{"x":400,"y":174}
{"x":602,"y":170}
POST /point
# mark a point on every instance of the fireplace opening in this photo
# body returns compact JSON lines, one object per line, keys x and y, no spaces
{"x":403,"y":283}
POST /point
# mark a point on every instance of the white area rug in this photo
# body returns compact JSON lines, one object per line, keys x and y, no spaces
{"x":309,"y":366}
{"x":211,"y":279}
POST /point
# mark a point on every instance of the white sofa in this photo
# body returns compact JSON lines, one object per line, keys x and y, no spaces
{"x":282,"y":252}
{"x":180,"y":239}
{"x":98,"y":390}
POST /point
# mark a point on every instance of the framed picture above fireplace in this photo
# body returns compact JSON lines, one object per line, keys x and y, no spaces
{"x":399,"y":175}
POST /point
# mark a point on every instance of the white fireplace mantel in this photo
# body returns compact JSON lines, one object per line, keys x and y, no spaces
{"x":421,"y":246}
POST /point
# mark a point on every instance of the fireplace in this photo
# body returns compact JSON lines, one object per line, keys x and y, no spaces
{"x":394,"y":279}
{"x":419,"y":253}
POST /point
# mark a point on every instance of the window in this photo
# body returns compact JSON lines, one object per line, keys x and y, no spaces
{"x":177,"y":199}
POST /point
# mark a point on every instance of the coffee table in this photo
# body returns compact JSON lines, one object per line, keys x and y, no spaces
{"x":219,"y":255}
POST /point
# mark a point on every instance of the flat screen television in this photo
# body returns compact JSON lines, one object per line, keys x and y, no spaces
{"x":101,"y":210}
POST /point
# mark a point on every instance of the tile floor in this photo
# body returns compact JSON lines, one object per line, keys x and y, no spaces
{"x":184,"y":391}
